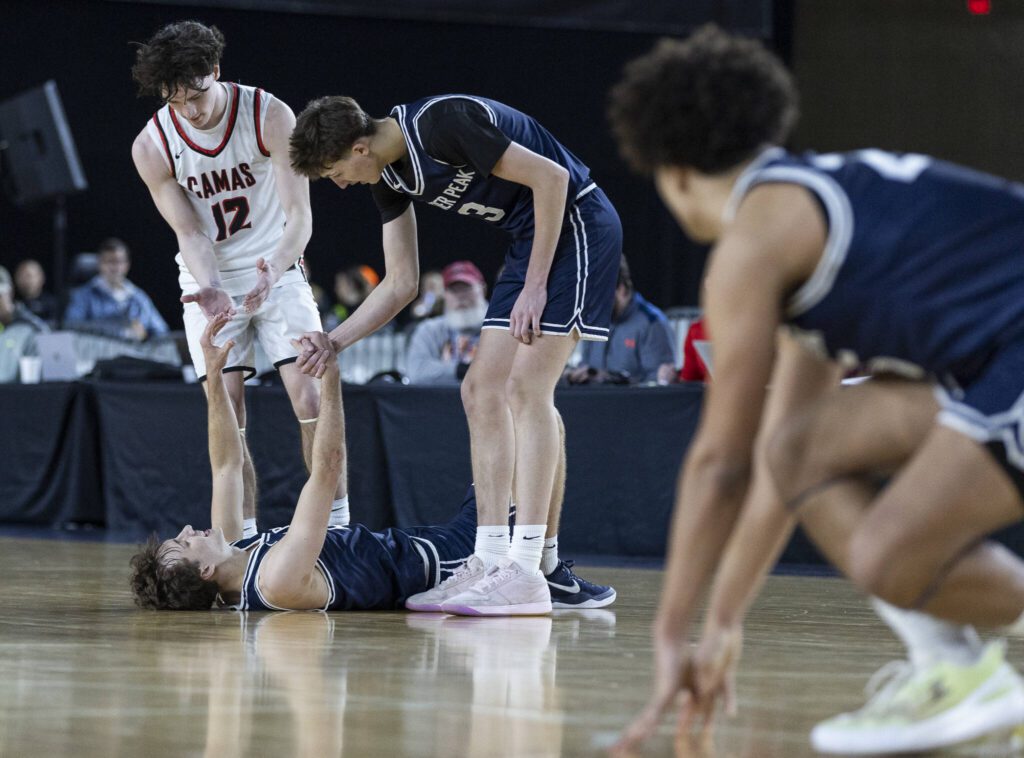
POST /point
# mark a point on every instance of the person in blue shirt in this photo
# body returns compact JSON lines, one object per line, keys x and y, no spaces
{"x":901,"y":263}
{"x":110,"y":304}
{"x":473,"y":157}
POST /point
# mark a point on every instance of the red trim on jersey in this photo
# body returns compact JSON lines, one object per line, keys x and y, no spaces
{"x":167,"y":148}
{"x":256,"y":118}
{"x":227,"y":133}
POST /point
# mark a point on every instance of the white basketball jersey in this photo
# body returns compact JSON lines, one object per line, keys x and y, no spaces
{"x":227,"y":175}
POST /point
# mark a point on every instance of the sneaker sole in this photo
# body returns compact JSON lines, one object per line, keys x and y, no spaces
{"x":594,"y":602}
{"x":967,"y":721}
{"x":423,"y":607}
{"x":521,"y":609}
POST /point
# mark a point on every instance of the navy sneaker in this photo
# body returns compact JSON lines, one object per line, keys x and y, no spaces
{"x":570,"y":591}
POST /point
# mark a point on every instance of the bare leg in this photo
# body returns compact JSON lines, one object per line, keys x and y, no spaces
{"x":825,"y":460}
{"x":917,"y":546}
{"x":538,"y":444}
{"x":558,"y":489}
{"x":491,"y":433}
{"x":916,"y":543}
{"x":250,"y":487}
{"x":304,"y":394}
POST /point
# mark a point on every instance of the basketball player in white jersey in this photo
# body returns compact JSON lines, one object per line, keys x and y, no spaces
{"x":215,"y":160}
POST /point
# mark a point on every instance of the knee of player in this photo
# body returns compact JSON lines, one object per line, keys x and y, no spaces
{"x":480,"y":397}
{"x":305,"y":403}
{"x":875,"y":568}
{"x":306,"y":406}
{"x":523,"y":393}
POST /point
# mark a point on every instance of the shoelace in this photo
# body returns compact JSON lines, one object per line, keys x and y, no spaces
{"x":457,"y":575}
{"x":568,"y":569}
{"x":495,"y":577}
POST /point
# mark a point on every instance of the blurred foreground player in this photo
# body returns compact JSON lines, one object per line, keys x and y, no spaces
{"x":897,"y":262}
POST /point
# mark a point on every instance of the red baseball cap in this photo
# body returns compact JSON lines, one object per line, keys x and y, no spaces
{"x":461,"y":271}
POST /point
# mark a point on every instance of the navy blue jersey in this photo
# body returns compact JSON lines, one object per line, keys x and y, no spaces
{"x":453,"y":143}
{"x":365,"y":570}
{"x":924,"y":261}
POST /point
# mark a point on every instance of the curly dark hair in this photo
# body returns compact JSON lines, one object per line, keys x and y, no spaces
{"x":177,"y":586}
{"x":708,"y":102}
{"x":325,"y":131}
{"x":179,"y":56}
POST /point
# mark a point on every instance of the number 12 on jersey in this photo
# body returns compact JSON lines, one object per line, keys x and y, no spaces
{"x":238,"y":208}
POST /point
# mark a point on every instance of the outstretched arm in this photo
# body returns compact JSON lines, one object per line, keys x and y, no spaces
{"x":396,"y":290}
{"x":225,"y":442}
{"x":287,"y":575}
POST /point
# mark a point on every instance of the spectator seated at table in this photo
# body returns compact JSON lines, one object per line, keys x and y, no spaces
{"x":29,"y":279}
{"x":441,"y":348}
{"x":110,"y":304}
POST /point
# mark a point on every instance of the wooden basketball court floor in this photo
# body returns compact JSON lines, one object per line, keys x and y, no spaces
{"x":84,"y":673}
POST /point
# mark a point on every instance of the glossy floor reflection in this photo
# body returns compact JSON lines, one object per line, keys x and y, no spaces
{"x":84,"y":673}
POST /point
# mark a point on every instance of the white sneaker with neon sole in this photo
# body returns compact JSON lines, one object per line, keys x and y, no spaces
{"x":935,"y":706}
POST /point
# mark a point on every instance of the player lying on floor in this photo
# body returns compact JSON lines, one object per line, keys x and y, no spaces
{"x":307,"y":565}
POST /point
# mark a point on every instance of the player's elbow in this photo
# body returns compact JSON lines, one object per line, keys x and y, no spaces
{"x":404,"y":289}
{"x":299,"y":216}
{"x":559,"y":175}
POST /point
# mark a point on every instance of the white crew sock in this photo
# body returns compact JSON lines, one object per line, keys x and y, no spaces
{"x":491,"y":544}
{"x":527,"y":546}
{"x":249,"y":527}
{"x":339,"y":512}
{"x":549,"y":558}
{"x":929,"y":639}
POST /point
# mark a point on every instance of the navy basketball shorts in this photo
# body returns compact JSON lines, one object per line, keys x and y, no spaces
{"x":581,"y":282}
{"x":446,"y":547}
{"x":990,"y":409}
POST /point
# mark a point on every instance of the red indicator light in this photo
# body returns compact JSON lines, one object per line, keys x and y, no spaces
{"x":979,"y":7}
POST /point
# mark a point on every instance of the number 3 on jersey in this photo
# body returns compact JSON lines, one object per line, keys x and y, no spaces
{"x":238,"y":207}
